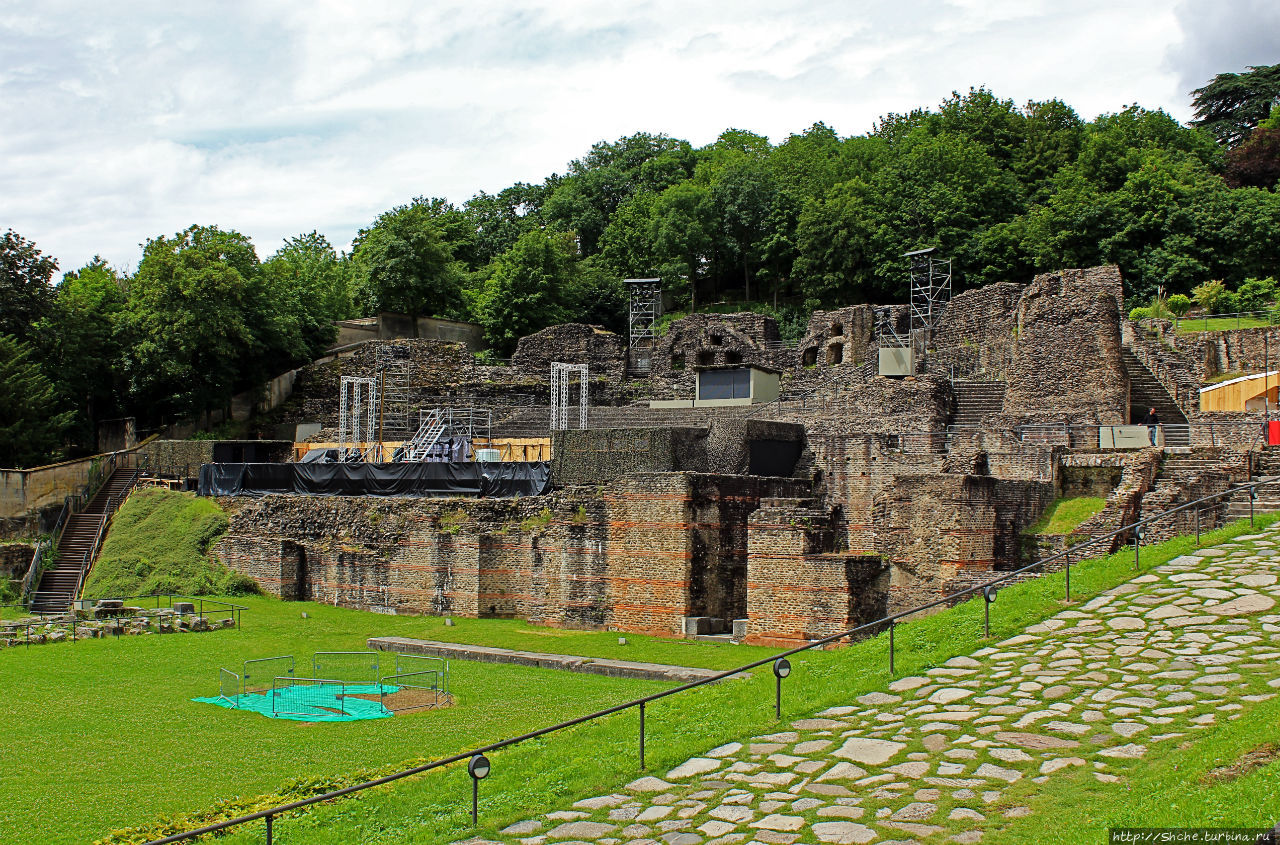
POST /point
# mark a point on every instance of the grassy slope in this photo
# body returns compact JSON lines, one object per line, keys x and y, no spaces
{"x":158,"y":543}
{"x":1065,"y":515}
{"x":108,"y":736}
{"x":1191,"y":325}
{"x":599,"y":757}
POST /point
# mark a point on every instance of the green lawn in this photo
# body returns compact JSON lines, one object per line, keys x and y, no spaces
{"x":599,"y":757}
{"x":1191,"y":325}
{"x":1065,"y":515}
{"x":102,"y":733}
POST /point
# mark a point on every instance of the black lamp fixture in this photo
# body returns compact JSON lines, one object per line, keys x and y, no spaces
{"x":781,"y":669}
{"x":478,"y":768}
{"x":988,"y":596}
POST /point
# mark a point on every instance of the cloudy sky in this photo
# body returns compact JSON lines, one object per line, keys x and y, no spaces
{"x":125,"y":120}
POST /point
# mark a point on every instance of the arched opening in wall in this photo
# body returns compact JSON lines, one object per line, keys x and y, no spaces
{"x":733,"y":357}
{"x":716,"y":340}
{"x":706,"y":358}
{"x":293,"y":572}
{"x":837,"y":329}
{"x":677,"y":360}
{"x":835,"y":353}
{"x":809,"y":357}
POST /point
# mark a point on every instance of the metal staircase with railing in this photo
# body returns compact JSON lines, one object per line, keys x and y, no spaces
{"x":79,"y":544}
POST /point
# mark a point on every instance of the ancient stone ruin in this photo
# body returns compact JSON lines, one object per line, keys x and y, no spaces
{"x":849,"y":495}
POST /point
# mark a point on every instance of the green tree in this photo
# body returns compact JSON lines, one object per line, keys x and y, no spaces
{"x":82,"y":347}
{"x":404,"y":262}
{"x":1230,"y":105}
{"x":308,"y":286}
{"x":1208,"y":294}
{"x":188,"y":327}
{"x":500,"y":219}
{"x":31,"y":422}
{"x":744,"y":193}
{"x":1179,"y":304}
{"x":597,"y":184}
{"x":684,"y":230}
{"x":25,"y":292}
{"x":533,"y":286}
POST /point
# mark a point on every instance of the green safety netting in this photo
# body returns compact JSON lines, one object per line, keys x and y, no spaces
{"x":311,"y":704}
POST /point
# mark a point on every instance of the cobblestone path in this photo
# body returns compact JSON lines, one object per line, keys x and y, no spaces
{"x":1191,"y":644}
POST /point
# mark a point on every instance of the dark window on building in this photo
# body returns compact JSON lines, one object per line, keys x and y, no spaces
{"x":837,"y":329}
{"x":809,"y":357}
{"x":716,"y":340}
{"x":724,"y":384}
{"x":706,"y":358}
{"x":677,"y":360}
{"x":835,"y":353}
{"x":733,"y":357}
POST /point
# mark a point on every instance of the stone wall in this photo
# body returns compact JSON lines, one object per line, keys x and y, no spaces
{"x":800,"y":589}
{"x":1067,"y":362}
{"x":638,"y":556}
{"x":976,"y":332}
{"x":586,"y":456}
{"x":713,"y":339}
{"x":1234,"y":351}
{"x":571,"y":343}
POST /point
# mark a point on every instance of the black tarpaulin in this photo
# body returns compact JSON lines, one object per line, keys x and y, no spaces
{"x":437,"y":478}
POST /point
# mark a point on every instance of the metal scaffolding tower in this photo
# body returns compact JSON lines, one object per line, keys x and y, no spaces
{"x":393,"y":393}
{"x":930,"y":288}
{"x":645,"y":297}
{"x":561,"y":375}
{"x":357,"y":415}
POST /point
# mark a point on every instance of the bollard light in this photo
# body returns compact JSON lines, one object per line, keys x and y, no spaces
{"x":781,"y":668}
{"x":988,"y":596}
{"x":478,"y":768}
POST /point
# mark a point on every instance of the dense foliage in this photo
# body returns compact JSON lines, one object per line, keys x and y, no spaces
{"x":818,"y":219}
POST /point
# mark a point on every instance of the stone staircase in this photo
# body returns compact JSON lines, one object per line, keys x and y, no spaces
{"x":1146,"y":391}
{"x":976,"y":402}
{"x":1266,"y":467}
{"x":76,"y":547}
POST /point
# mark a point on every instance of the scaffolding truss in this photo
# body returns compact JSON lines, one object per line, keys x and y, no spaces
{"x":930,"y":288}
{"x":645,"y":298}
{"x":357,"y":416}
{"x":394,"y":421}
{"x":561,"y":376}
{"x":439,"y":430}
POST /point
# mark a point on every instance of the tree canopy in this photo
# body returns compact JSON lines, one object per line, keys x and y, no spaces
{"x":817,"y":219}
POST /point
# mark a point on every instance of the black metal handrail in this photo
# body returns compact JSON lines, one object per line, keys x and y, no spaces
{"x":987,"y":589}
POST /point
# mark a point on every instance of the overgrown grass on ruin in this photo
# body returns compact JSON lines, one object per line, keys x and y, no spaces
{"x":103,"y":734}
{"x":1066,"y":515}
{"x":159,"y":543}
{"x":597,"y":758}
{"x":1191,"y":325}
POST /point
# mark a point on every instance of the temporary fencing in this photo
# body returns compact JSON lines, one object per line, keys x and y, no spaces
{"x":258,"y":675}
{"x":359,"y":667}
{"x":294,"y":696}
{"x":229,"y":687}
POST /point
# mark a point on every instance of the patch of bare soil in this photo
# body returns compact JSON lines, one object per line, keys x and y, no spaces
{"x":1255,"y":759}
{"x":410,"y":699}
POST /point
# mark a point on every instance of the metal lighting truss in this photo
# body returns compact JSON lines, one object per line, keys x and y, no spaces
{"x":561,"y":375}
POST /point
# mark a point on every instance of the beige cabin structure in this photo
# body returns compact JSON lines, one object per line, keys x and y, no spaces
{"x":1256,"y":392}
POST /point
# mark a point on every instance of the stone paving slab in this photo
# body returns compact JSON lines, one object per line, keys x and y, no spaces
{"x":540,"y":660}
{"x":1189,"y":645}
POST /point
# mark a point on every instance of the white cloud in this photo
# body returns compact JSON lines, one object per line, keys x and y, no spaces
{"x":128,"y":120}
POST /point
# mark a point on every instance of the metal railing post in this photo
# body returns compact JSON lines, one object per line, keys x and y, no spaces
{"x":1197,"y":527}
{"x":642,"y":736}
{"x":892,"y":625}
{"x":1068,"y":574}
{"x":269,"y":830}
